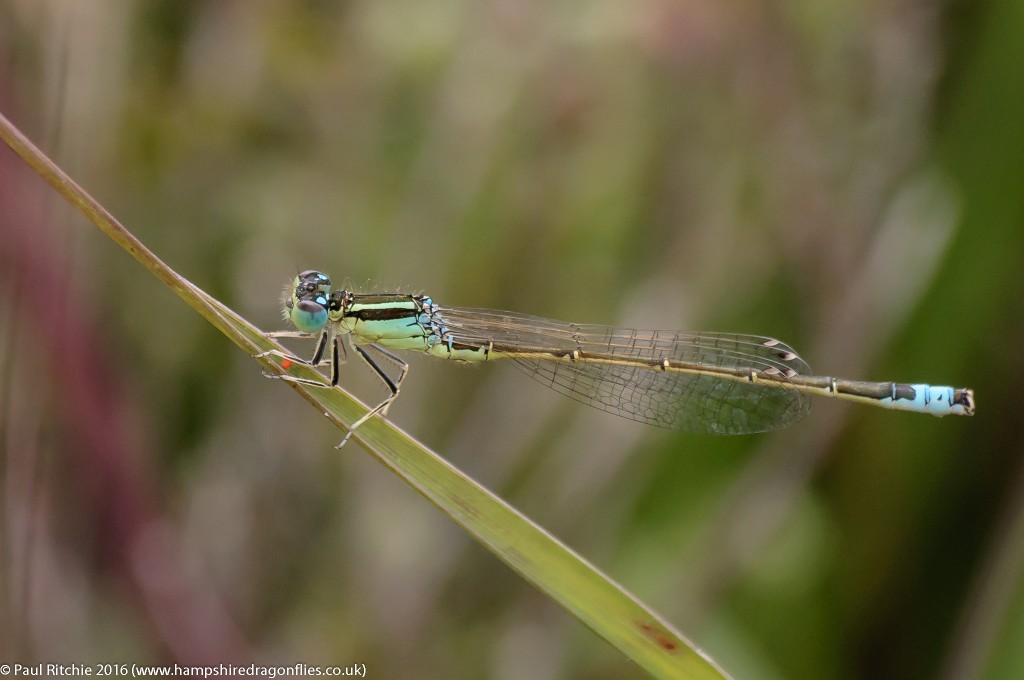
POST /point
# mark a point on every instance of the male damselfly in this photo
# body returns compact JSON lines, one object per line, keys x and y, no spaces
{"x":716,"y":383}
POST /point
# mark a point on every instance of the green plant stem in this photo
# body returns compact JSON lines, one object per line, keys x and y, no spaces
{"x":596,"y":600}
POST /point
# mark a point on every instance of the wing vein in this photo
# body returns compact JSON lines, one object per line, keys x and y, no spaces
{"x":702,"y":403}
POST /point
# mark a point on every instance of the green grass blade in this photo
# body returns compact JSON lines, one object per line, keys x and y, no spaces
{"x":596,"y":600}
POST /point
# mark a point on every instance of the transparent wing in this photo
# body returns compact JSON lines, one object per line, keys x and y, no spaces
{"x":704,"y":403}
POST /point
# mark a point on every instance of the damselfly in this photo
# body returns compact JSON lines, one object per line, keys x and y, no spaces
{"x":717,"y":383}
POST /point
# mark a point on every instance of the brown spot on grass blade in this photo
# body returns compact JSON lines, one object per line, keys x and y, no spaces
{"x":659,"y":635}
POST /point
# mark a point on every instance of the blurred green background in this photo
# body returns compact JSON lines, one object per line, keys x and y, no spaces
{"x":846,"y":176}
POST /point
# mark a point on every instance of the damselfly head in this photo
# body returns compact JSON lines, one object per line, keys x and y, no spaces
{"x":306,"y":301}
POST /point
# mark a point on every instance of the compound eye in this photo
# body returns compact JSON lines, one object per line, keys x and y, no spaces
{"x":317,"y":279}
{"x":309,"y":315}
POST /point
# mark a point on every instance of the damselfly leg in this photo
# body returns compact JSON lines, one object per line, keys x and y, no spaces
{"x":338,"y":357}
